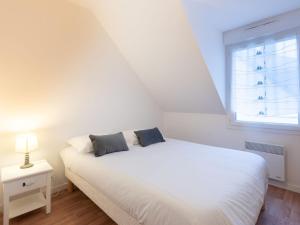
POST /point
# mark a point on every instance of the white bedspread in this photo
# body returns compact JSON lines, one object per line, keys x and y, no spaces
{"x":178,"y":183}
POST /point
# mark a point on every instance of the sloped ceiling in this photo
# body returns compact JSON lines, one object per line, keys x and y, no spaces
{"x":156,"y":39}
{"x":176,"y":46}
{"x":210,"y":42}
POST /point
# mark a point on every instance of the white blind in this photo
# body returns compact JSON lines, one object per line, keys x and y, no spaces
{"x":265,"y":82}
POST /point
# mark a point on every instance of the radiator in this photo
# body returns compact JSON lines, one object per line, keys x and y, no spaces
{"x":274,"y":156}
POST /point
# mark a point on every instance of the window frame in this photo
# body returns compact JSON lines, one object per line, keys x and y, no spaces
{"x":228,"y":63}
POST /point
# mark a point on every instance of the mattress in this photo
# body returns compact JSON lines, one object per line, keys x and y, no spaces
{"x":177,"y":182}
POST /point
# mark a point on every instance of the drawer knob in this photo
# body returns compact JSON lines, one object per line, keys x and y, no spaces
{"x":24,"y":184}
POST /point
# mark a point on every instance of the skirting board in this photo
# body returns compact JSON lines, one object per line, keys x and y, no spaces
{"x":54,"y":190}
{"x":289,"y":187}
{"x":59,"y":188}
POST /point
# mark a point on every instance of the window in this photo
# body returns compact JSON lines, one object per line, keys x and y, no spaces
{"x":265,"y":81}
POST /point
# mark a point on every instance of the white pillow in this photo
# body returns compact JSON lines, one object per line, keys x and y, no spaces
{"x":81,"y":143}
{"x":130,"y":138}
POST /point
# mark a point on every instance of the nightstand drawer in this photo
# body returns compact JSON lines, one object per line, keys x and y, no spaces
{"x":26,"y":184}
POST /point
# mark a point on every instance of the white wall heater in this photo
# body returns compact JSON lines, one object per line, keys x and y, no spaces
{"x":274,"y":156}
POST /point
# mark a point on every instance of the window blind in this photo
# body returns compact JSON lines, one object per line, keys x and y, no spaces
{"x":265,"y":81}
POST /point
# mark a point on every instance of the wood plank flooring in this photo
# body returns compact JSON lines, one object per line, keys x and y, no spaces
{"x":282,"y":208}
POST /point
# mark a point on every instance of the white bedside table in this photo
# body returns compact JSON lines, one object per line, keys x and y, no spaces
{"x":18,"y":181}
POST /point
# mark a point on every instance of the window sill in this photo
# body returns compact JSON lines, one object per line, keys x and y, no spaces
{"x":263,"y":127}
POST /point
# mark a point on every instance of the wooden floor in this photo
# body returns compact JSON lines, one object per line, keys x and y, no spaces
{"x":282,"y":208}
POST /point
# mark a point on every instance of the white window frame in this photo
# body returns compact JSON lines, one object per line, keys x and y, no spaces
{"x":231,"y":114}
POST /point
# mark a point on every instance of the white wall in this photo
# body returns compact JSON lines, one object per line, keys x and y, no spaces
{"x":214,"y":130}
{"x":61,"y":75}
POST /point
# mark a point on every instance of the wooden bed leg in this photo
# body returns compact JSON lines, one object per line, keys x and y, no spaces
{"x":70,"y":186}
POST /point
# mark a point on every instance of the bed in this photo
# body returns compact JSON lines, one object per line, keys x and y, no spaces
{"x":172,"y":183}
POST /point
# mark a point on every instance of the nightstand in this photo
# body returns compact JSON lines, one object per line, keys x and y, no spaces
{"x":24,"y":183}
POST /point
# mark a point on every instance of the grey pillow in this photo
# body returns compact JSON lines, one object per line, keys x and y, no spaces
{"x":149,"y":137}
{"x":106,"y":144}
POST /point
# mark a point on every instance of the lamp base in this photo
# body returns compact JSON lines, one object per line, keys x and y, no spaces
{"x":25,"y":166}
{"x":27,"y":163}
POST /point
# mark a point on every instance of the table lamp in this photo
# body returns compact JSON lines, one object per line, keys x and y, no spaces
{"x":26,"y":143}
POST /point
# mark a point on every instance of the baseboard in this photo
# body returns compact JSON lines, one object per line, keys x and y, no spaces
{"x":286,"y":186}
{"x":55,"y":190}
{"x":59,"y":188}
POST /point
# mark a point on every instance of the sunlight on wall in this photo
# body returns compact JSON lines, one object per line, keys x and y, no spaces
{"x":21,"y":124}
{"x":40,"y":41}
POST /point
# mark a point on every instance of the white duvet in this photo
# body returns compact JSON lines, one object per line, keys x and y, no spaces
{"x":178,"y":183}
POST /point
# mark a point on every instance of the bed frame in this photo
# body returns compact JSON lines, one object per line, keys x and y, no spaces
{"x":110,"y":208}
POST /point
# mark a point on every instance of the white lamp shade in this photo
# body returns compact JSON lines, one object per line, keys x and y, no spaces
{"x":26,"y":143}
